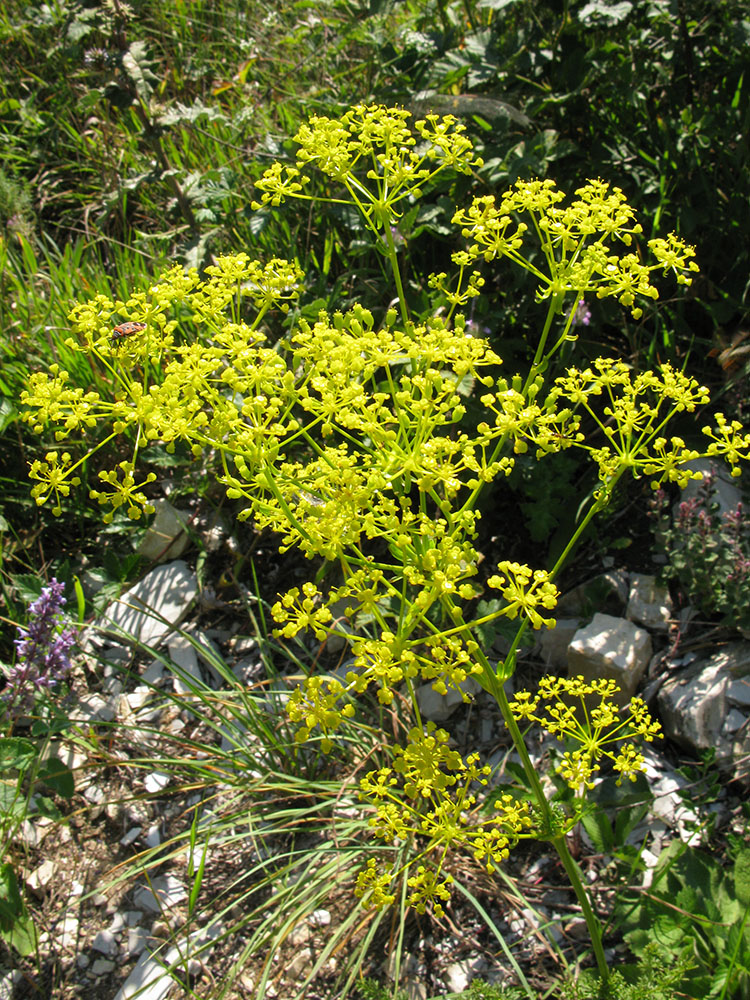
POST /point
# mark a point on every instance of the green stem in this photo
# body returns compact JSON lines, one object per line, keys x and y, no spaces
{"x":493,"y":681}
{"x":496,"y":688}
{"x":393,"y":258}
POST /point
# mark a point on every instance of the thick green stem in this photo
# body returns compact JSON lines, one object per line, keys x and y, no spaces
{"x":558,"y":842}
{"x":492,"y":681}
{"x":494,"y":685}
{"x":393,"y":258}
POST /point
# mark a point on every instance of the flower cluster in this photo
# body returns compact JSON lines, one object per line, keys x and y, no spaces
{"x":525,"y":591}
{"x":632,"y":410}
{"x":574,"y":241}
{"x":374,"y":154}
{"x":427,"y":796}
{"x":43,"y":650}
{"x":356,"y":442}
{"x":586,"y":713}
{"x":165,"y":391}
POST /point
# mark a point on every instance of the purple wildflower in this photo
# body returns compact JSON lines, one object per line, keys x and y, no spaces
{"x":582,"y":314}
{"x":42,"y":649}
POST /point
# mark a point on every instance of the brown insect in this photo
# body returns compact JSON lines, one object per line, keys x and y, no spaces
{"x":126,"y":330}
{"x":732,"y":355}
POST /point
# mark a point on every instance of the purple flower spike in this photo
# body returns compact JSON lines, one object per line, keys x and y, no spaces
{"x":43,"y":649}
{"x":582,"y":314}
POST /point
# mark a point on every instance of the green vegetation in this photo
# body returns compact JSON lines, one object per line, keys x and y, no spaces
{"x":384,"y":269}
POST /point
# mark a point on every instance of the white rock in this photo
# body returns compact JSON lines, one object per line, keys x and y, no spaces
{"x":650,"y":860}
{"x":649,"y":604}
{"x":149,"y":980}
{"x":155,"y":605}
{"x":117,"y":653}
{"x":41,"y":876}
{"x":610,"y":648}
{"x":130,"y":836}
{"x":459,"y":975}
{"x":102,"y":967}
{"x":693,"y":705}
{"x":166,"y":538}
{"x":8,"y":983}
{"x":163,"y":893}
{"x":156,"y":781}
{"x":208,"y":654}
{"x":70,"y":756}
{"x":670,"y":806}
{"x":153,"y":836}
{"x":437,"y":707}
{"x":735,"y":720}
{"x":738,"y":692}
{"x":319,"y":918}
{"x":185,"y":661}
{"x":298,"y":963}
{"x":154,"y":672}
{"x":65,"y":932}
{"x":299,"y":935}
{"x":28,"y":833}
{"x":93,"y":708}
{"x":554,"y":642}
{"x":105,"y":942}
{"x":137,"y":940}
{"x":725,"y":490}
{"x":247,"y":669}
{"x":140,"y":697}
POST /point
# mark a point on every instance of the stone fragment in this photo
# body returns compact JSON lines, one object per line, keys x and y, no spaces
{"x":161,"y":895}
{"x":610,"y":648}
{"x":166,"y":538}
{"x":137,"y":940}
{"x":41,"y":876}
{"x":93,"y":708}
{"x":693,"y":705}
{"x":738,"y":692}
{"x":150,"y":980}
{"x":436,"y":707}
{"x":105,"y":942}
{"x":725,"y":491}
{"x":607,"y":592}
{"x":649,"y":603}
{"x":155,"y":605}
{"x":554,"y":642}
{"x":102,"y":967}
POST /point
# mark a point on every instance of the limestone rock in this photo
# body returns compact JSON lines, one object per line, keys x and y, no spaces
{"x":610,"y":648}
{"x":649,"y":604}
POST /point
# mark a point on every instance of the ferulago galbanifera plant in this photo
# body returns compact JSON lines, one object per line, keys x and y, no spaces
{"x":350,"y":439}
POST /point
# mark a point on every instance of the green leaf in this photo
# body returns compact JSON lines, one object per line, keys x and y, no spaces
{"x":58,"y":777}
{"x":8,"y":413}
{"x":742,"y":876}
{"x":22,"y":936}
{"x":137,"y":65}
{"x":16,"y":753}
{"x":609,"y":12}
{"x":45,"y":806}
{"x":598,"y":827}
{"x":11,"y":904}
{"x":12,"y":804}
{"x":28,"y":586}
